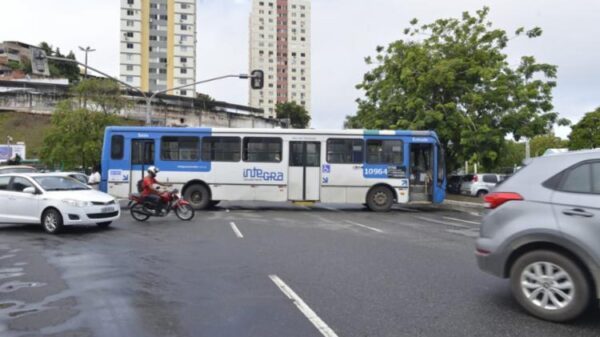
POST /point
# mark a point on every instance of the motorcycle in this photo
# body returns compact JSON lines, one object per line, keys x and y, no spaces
{"x":142,"y":210}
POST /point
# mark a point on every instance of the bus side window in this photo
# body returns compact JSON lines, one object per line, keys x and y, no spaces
{"x":263,"y":150}
{"x":345,"y":151}
{"x":116,"y":147}
{"x":227,"y":149}
{"x":385,"y":152}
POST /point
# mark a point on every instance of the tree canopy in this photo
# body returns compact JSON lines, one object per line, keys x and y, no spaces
{"x":456,"y":79}
{"x":61,"y":69}
{"x":296,"y":113}
{"x":75,"y":137}
{"x":102,"y":95}
{"x":586,"y":133}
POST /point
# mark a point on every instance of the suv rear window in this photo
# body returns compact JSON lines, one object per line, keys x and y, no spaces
{"x":490,"y":178}
{"x":467,"y":177}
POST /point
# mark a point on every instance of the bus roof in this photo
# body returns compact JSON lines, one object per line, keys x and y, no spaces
{"x":275,"y":131}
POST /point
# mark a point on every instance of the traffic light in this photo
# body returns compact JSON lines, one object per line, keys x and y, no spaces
{"x":257,"y":79}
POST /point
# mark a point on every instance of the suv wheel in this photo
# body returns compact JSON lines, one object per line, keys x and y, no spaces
{"x":550,"y":286}
{"x":481,"y":193}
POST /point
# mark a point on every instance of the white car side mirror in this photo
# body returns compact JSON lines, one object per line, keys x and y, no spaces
{"x":30,"y":190}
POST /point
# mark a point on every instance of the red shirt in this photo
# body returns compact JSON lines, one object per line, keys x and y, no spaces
{"x":147,"y":186}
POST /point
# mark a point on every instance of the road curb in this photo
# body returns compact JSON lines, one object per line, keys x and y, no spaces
{"x":463,"y":204}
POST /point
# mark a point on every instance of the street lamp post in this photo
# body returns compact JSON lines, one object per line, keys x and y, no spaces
{"x":257,"y":78}
{"x":149,"y":99}
{"x":86,"y":50}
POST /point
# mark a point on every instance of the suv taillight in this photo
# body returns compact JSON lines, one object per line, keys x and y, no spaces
{"x":475,"y":178}
{"x":496,"y":199}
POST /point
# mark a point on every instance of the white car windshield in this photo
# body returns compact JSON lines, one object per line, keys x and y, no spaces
{"x":55,"y":183}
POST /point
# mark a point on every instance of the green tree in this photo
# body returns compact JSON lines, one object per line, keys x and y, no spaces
{"x":296,"y":113}
{"x":100,"y":95}
{"x":539,"y":144}
{"x":586,"y":133}
{"x":512,"y":153}
{"x":75,"y":137}
{"x":457,"y":81}
{"x":61,"y":69}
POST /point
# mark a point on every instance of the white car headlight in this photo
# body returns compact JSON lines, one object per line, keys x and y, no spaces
{"x":77,"y":203}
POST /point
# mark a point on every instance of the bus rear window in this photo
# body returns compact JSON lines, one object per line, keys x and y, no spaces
{"x":221,"y":149}
{"x":263,"y":150}
{"x":116,"y":147}
{"x":345,"y":151}
{"x":180,"y":148}
{"x":384,"y":152}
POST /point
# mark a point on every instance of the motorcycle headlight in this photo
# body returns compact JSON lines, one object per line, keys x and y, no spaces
{"x":76,"y":203}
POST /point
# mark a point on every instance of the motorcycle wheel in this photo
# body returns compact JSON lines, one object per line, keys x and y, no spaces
{"x":185,"y":212}
{"x":137,"y":212}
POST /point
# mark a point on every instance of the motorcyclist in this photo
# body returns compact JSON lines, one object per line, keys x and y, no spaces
{"x":150,"y":189}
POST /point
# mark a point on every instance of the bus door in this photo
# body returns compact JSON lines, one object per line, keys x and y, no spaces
{"x":421,"y":172}
{"x":142,"y":157}
{"x":304,"y":175}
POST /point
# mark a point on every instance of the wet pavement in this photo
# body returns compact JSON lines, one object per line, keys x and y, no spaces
{"x":250,"y":269}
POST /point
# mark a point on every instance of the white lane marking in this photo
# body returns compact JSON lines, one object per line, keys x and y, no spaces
{"x":236,"y":230}
{"x":441,"y":222}
{"x":461,"y":220}
{"x":364,"y":226}
{"x":323,"y":328}
{"x":227,"y":210}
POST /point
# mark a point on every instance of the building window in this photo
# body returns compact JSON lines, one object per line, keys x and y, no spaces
{"x":183,"y":71}
{"x":129,"y":79}
{"x":129,"y":34}
{"x":184,"y":17}
{"x":129,"y":12}
{"x":129,"y":23}
{"x":164,"y":17}
{"x":183,"y":92}
{"x":130,"y":46}
{"x":130,"y":2}
{"x":129,"y":57}
{"x":184,"y":27}
{"x":263,"y":150}
{"x":221,"y":149}
{"x":183,"y":60}
{"x":129,"y":68}
{"x":180,"y":148}
{"x":163,"y":60}
{"x":185,"y":6}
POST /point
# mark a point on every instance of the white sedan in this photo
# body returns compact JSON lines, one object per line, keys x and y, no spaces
{"x":54,"y":201}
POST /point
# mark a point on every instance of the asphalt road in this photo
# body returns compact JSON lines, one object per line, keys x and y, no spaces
{"x":262,"y":270}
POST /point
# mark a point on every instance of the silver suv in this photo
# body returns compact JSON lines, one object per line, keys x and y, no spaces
{"x":479,"y":184}
{"x":543,"y":232}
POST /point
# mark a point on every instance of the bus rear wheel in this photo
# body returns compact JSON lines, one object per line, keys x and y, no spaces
{"x":380,"y":199}
{"x":198,"y":196}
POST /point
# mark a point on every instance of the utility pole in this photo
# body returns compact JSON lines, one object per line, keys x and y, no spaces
{"x":86,"y":50}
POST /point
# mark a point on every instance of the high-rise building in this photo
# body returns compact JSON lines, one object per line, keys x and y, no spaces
{"x":280,"y":46}
{"x":158,"y":44}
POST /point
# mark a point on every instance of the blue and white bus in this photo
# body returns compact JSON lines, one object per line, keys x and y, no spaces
{"x":209,"y":165}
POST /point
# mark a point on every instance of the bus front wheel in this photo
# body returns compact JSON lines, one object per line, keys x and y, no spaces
{"x":380,"y":199}
{"x":198,"y":196}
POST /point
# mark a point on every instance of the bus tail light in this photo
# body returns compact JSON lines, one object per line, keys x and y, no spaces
{"x":495,"y":199}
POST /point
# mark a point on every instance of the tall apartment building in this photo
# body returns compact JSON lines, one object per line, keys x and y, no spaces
{"x":158,"y":44}
{"x":280,"y":46}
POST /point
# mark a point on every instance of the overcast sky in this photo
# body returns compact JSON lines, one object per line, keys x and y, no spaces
{"x":344,"y":32}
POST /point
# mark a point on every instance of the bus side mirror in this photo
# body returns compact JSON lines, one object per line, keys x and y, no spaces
{"x":257,"y":79}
